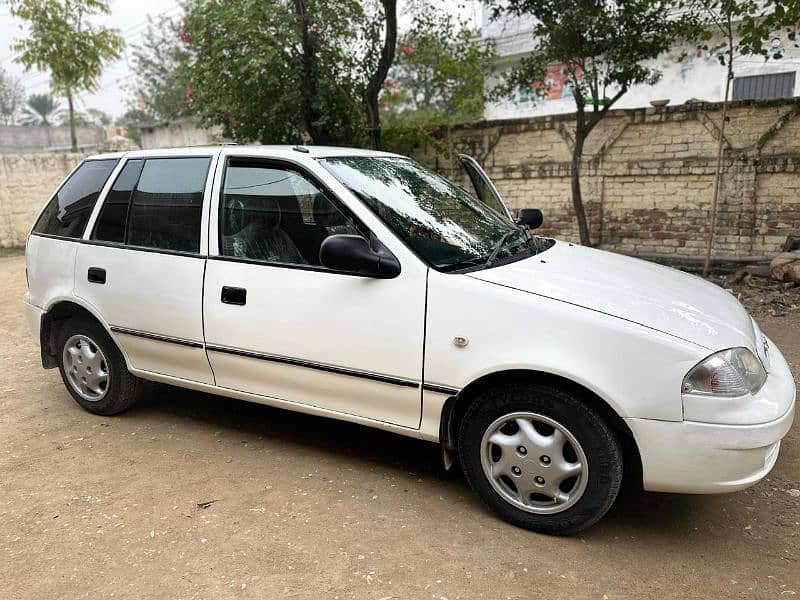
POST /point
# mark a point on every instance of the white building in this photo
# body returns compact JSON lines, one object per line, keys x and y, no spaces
{"x":699,"y":75}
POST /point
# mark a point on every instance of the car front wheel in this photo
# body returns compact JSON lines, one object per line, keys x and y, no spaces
{"x":540,"y":458}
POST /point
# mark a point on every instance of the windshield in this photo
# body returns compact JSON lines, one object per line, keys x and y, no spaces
{"x":440,"y":221}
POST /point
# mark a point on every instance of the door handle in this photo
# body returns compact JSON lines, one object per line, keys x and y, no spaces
{"x":96,"y":275}
{"x":234,"y":295}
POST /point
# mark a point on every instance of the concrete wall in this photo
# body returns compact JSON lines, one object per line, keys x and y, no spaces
{"x":27,"y":181}
{"x":648,"y":175}
{"x":17,"y":139}
{"x":185,"y":132}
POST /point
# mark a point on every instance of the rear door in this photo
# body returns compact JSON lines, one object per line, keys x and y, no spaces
{"x":142,"y":263}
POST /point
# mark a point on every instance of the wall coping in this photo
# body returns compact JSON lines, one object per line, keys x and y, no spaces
{"x":677,"y":109}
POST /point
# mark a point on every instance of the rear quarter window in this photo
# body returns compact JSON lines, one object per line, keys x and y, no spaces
{"x":69,"y":210}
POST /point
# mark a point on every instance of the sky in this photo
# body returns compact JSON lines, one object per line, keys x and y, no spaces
{"x":130,"y":17}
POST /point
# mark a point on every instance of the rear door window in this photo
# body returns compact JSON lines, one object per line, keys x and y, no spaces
{"x":113,"y":219}
{"x":167,"y":204}
{"x":69,"y":210}
{"x":156,"y":203}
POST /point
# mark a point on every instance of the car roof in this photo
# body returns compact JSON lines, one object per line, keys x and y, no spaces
{"x":249,"y":150}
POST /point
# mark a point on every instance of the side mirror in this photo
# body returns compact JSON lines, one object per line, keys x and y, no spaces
{"x":531,"y":217}
{"x":353,"y":253}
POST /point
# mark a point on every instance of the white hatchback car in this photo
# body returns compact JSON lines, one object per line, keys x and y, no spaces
{"x":359,"y":285}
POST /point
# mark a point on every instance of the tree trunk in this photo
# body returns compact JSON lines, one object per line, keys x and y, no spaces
{"x":308,"y":85}
{"x":577,"y":198}
{"x":377,"y":79}
{"x":72,"y":136}
{"x":720,"y":146}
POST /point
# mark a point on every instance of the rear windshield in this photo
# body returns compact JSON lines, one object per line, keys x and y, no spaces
{"x":68,"y":211}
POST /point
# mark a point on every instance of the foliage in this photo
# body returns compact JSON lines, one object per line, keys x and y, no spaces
{"x":130,"y":121}
{"x":12,"y":95}
{"x":761,"y":20}
{"x":602,"y":47}
{"x":63,"y":40}
{"x":276,"y":71}
{"x":438,"y":76}
{"x":91,"y":117}
{"x":41,"y":109}
{"x":159,"y":63}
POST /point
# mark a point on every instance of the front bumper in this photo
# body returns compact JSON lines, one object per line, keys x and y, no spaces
{"x":698,"y":457}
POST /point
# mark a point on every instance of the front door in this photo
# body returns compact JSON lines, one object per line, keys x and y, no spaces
{"x":142,"y":266}
{"x":279,"y":324}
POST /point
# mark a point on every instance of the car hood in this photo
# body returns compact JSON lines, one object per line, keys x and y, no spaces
{"x":664,"y":299}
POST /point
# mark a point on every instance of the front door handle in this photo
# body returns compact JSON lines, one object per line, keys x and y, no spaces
{"x":234,"y":295}
{"x":96,"y":275}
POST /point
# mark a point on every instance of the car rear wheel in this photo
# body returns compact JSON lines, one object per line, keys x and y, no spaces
{"x":540,"y":458}
{"x":93,"y":368}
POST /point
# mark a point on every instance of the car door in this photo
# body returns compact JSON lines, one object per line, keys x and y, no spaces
{"x":142,"y":262}
{"x":483,"y":187}
{"x":281,"y":325}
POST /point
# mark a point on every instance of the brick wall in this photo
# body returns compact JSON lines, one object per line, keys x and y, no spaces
{"x":648,"y":175}
{"x":27,"y":181}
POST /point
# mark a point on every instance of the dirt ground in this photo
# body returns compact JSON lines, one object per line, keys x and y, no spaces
{"x":306,"y":507}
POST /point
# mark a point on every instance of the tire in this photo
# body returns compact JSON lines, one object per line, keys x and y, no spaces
{"x":86,"y":353}
{"x":571,"y":444}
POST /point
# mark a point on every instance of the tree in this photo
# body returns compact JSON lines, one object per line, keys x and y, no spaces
{"x":131,"y":120}
{"x":744,"y":27}
{"x":12,"y":95}
{"x":159,"y":64}
{"x":63,"y":40}
{"x":602,"y":47}
{"x":378,"y":76}
{"x":438,"y":76}
{"x":276,"y":71}
{"x":40,"y":109}
{"x":92,"y":117}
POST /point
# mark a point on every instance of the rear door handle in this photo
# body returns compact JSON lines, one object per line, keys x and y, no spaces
{"x":234,"y":295}
{"x":96,"y":275}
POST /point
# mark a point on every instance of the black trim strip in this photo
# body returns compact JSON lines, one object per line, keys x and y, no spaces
{"x":119,"y":246}
{"x":155,"y":336}
{"x":442,"y":389}
{"x":314,"y":365}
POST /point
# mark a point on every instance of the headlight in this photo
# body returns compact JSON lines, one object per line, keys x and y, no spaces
{"x":733,"y":372}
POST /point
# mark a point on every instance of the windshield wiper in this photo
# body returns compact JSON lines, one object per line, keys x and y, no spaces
{"x":499,"y":246}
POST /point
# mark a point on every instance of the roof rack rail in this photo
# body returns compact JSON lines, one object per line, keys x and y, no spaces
{"x":301,"y":149}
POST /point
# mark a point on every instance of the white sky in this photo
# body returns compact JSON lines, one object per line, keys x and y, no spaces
{"x":130,"y":17}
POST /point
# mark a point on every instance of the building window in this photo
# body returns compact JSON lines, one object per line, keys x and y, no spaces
{"x":758,"y":87}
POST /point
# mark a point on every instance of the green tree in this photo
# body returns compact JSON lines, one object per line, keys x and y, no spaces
{"x":438,"y":76}
{"x":91,"y":117}
{"x":131,"y":120}
{"x":63,"y":40}
{"x":159,"y":63}
{"x":276,"y":71}
{"x":760,"y":21}
{"x":732,"y":28}
{"x":12,"y":95}
{"x":603,"y":47}
{"x":40,"y":109}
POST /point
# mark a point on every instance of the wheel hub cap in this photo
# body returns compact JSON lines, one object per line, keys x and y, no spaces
{"x":86,"y":368}
{"x":534,"y":462}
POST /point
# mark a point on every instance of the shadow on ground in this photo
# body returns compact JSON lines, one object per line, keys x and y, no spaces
{"x":635,"y":512}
